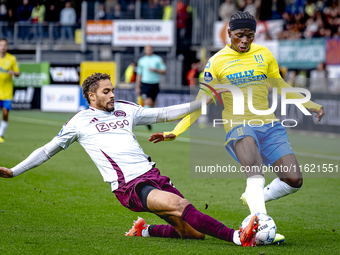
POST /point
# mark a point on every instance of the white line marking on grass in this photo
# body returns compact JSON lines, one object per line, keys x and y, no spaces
{"x":316,"y":155}
{"x":179,"y":139}
{"x":37,"y":121}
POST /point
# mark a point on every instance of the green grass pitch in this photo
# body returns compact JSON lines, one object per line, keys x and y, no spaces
{"x":64,"y":207}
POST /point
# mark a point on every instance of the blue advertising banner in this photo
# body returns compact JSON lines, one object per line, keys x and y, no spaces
{"x":302,"y":54}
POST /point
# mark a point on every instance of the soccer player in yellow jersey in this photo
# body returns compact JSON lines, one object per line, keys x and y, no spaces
{"x":245,"y":65}
{"x":8,"y":68}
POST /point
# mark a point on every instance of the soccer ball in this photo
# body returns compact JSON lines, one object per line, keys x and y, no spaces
{"x":266,"y":231}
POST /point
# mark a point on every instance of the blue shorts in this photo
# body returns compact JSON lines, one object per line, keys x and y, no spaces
{"x":7,"y":104}
{"x":273,"y":142}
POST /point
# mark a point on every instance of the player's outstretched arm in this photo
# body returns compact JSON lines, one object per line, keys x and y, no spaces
{"x":185,"y":123}
{"x":36,"y":158}
{"x":312,"y":106}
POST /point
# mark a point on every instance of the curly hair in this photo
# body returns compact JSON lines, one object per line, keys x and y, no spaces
{"x":91,"y":83}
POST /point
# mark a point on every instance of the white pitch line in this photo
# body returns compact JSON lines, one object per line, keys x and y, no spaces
{"x":179,"y":139}
{"x":316,"y":155}
{"x":37,"y":121}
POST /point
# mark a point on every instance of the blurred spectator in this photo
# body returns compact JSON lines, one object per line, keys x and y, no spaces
{"x":130,"y":11}
{"x":318,"y":79}
{"x":297,"y":78}
{"x":52,"y":13}
{"x":52,"y":16}
{"x":11,"y":19}
{"x":277,"y":9}
{"x":38,"y":17}
{"x":241,"y":4}
{"x":272,"y":9}
{"x":251,"y":7}
{"x":310,"y":8}
{"x":194,"y":73}
{"x":101,"y":12}
{"x":291,"y":78}
{"x":67,"y":21}
{"x":130,"y":73}
{"x":227,"y":9}
{"x":167,"y":9}
{"x":152,"y":10}
{"x":337,"y":34}
{"x":24,"y":15}
{"x":109,"y":6}
{"x":3,"y":11}
{"x":115,"y":12}
{"x":311,"y":28}
{"x":182,"y":16}
{"x":3,"y":17}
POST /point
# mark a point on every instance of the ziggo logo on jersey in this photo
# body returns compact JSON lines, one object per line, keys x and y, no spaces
{"x":104,"y":127}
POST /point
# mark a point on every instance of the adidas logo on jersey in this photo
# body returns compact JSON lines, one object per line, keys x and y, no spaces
{"x":93,"y":120}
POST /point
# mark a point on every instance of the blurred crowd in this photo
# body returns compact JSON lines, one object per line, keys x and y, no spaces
{"x":50,"y":10}
{"x":125,"y":9}
{"x":66,"y":15}
{"x":302,"y":18}
{"x":35,"y":14}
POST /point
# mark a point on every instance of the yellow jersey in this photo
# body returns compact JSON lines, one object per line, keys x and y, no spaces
{"x":6,"y":83}
{"x":255,"y":68}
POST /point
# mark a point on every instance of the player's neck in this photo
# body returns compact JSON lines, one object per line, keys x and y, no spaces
{"x":3,"y":55}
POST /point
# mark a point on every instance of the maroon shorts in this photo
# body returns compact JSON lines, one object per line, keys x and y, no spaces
{"x":127,"y":194}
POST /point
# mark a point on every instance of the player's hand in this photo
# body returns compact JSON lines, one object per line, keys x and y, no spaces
{"x":319,"y":114}
{"x":152,"y":69}
{"x":210,"y":100}
{"x":11,"y":72}
{"x":158,"y":137}
{"x":5,"y":172}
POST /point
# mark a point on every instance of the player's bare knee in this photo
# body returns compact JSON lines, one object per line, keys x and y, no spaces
{"x":181,"y":204}
{"x":294,"y":182}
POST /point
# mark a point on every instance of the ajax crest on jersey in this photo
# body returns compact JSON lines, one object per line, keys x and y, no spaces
{"x":259,"y":58}
{"x":119,"y":113}
{"x":266,"y":231}
{"x":208,"y":77}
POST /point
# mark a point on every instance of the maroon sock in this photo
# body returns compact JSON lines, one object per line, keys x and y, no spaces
{"x":207,"y":225}
{"x":163,"y":231}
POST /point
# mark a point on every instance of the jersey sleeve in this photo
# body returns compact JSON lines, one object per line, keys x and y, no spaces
{"x":280,"y":83}
{"x":273,"y":68}
{"x":161,"y":64}
{"x":277,"y":81}
{"x":15,"y":65}
{"x":67,"y":135}
{"x":210,"y":79}
{"x":142,"y":116}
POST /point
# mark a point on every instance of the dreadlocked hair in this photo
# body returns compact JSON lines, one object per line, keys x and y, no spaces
{"x":91,"y":84}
